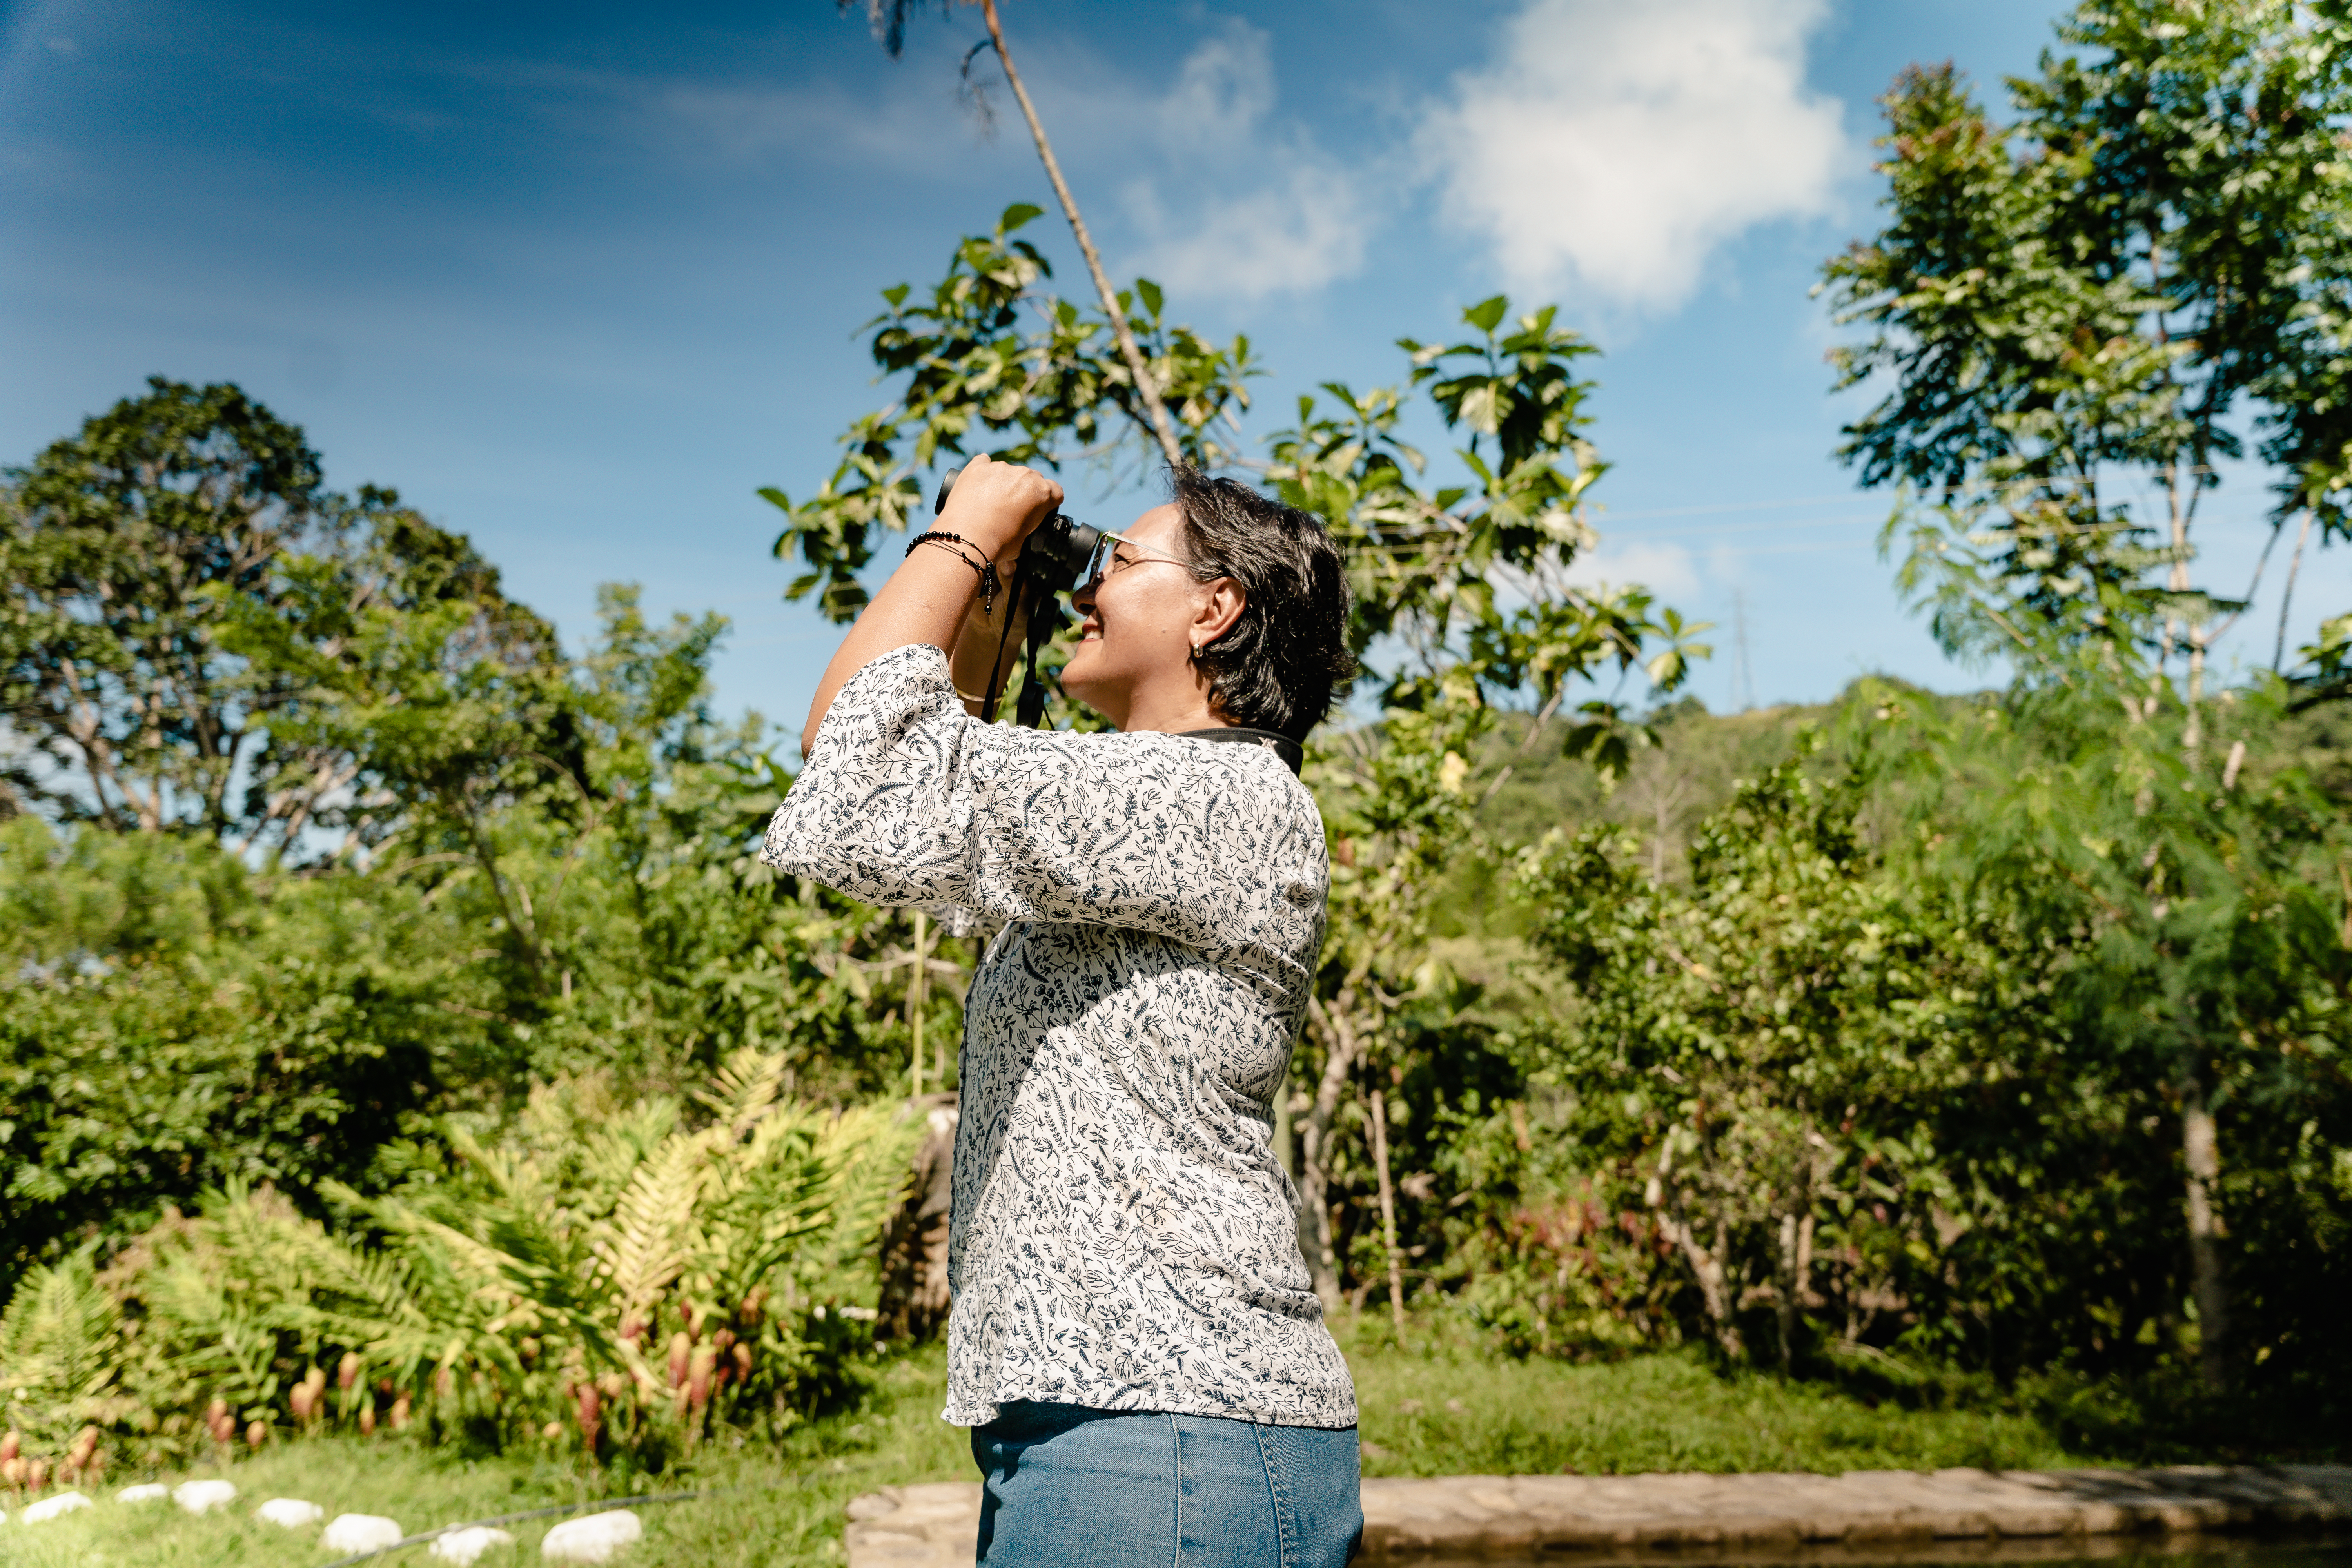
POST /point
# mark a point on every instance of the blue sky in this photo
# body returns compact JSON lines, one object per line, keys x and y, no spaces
{"x":578,"y":281}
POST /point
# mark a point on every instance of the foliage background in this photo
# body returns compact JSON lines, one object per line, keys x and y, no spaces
{"x":400,"y":1027}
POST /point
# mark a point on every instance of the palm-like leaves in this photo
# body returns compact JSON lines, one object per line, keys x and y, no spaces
{"x":61,"y":1346}
{"x":561,"y":1253}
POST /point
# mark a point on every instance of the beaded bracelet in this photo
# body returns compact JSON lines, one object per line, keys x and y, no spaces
{"x":984,"y":567}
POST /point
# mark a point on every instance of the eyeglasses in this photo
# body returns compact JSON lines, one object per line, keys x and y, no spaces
{"x":1105,"y":559}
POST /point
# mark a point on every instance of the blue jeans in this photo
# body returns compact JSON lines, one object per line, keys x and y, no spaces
{"x":1115,"y":1488}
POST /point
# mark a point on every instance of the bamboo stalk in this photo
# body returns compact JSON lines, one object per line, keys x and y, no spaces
{"x":1161,"y":426}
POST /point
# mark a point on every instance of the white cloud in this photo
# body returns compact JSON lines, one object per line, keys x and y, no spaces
{"x":1224,"y":90}
{"x":1224,"y":196}
{"x":1297,"y":236}
{"x":1615,"y":144}
{"x":1258,"y":210}
{"x":1668,"y":571}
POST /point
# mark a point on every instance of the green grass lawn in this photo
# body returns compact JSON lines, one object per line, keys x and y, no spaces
{"x":1437,"y":1407}
{"x":1436,"y":1413}
{"x":775,"y":1504}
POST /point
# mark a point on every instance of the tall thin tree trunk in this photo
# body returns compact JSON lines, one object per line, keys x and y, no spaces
{"x":1388,"y":1211}
{"x":2202,"y":1154}
{"x":2192,"y":738}
{"x":1658,"y":836}
{"x":1714,"y":1285}
{"x":1315,"y":1235}
{"x":1784,"y":1300}
{"x":1161,"y":426}
{"x":2286,"y":598}
{"x":522,"y":924}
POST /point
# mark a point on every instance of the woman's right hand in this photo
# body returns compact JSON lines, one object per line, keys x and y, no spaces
{"x":996,"y":506}
{"x":933,"y":596}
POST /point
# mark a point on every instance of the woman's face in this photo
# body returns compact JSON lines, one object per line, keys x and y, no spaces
{"x":1141,"y":621}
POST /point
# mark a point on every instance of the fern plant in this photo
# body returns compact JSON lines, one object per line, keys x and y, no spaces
{"x":594,"y":1276}
{"x":60,"y":1354}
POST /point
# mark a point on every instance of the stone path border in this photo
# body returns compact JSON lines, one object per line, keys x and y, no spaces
{"x":1863,"y":1516}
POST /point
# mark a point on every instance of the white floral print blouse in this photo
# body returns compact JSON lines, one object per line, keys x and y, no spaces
{"x":1123,"y":1236}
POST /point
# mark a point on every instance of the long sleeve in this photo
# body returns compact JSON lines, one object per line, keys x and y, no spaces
{"x":906,"y":800}
{"x":1123,"y":1235}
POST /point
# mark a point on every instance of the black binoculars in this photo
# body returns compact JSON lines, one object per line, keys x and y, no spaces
{"x":1054,"y":555}
{"x":1050,"y":562}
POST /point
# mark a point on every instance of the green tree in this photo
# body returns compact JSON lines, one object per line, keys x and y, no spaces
{"x":1799,"y":1070}
{"x":438,"y":855}
{"x":2091,"y":298}
{"x":987,"y":355}
{"x":171,"y":1022}
{"x":1143,"y":386}
{"x":184,"y":602}
{"x":117,"y":542}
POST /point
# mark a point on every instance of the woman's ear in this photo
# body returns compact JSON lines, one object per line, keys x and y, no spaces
{"x":1219,"y":608}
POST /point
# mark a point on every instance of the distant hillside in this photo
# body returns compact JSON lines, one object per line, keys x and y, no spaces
{"x":1532,"y":789}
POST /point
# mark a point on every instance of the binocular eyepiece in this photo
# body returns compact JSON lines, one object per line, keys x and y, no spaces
{"x":1053,"y":555}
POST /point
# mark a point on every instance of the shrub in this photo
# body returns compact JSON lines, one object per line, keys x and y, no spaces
{"x":615,"y":1279}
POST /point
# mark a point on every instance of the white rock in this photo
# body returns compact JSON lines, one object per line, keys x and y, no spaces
{"x":145,"y":1492}
{"x":291,"y":1511}
{"x":361,"y":1532}
{"x":50,"y":1507}
{"x":595,"y":1539}
{"x":203,"y":1497}
{"x":463,"y":1546}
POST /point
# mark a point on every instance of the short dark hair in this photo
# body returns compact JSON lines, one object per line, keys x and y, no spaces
{"x":1278,"y":667}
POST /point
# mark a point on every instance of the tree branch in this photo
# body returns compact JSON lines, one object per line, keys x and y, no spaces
{"x":1161,"y":426}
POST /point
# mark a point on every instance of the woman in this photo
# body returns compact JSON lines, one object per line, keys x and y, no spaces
{"x":1134,"y":1341}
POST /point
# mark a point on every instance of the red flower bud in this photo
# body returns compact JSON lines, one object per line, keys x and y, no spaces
{"x":588,"y":1406}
